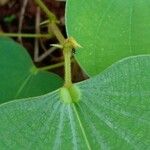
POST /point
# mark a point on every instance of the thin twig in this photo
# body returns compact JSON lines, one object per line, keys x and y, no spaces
{"x":45,"y":54}
{"x":38,"y":58}
{"x":42,"y":45}
{"x":23,"y":8}
{"x":54,"y":66}
{"x":51,"y":66}
{"x":25,"y":35}
{"x":37,"y":30}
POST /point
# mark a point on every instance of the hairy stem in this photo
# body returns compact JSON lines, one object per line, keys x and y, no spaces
{"x":49,"y":14}
{"x":57,"y":33}
{"x":66,"y":49}
{"x":52,"y":18}
{"x":67,"y":56}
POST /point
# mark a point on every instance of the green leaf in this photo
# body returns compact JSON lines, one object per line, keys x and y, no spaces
{"x":19,"y":78}
{"x":108,"y":30}
{"x":113,"y":113}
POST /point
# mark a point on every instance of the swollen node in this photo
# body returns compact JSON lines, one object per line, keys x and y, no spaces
{"x":70,"y":95}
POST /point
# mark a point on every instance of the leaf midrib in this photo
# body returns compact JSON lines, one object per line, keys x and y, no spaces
{"x":82,"y":128}
{"x":130,"y":27}
{"x":23,"y":85}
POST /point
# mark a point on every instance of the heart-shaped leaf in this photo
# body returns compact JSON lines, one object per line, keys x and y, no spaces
{"x":113,"y":113}
{"x":108,"y":30}
{"x":19,"y":78}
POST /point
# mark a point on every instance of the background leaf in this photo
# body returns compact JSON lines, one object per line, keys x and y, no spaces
{"x":113,"y":113}
{"x":108,"y":30}
{"x":19,"y":78}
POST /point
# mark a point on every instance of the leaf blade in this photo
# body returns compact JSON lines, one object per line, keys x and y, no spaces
{"x":18,"y":74}
{"x":108,"y":31}
{"x":114,"y":111}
